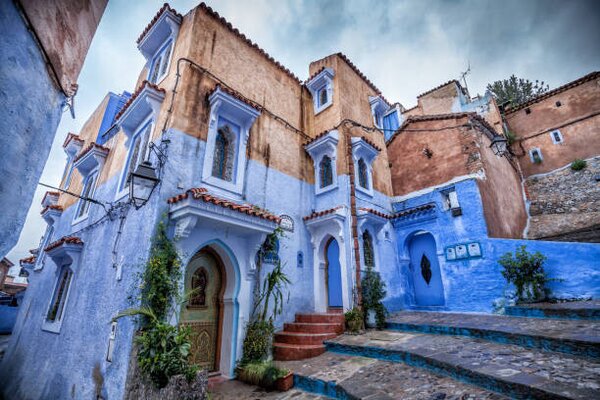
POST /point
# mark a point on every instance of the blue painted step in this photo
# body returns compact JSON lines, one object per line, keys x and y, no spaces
{"x":580,"y":338}
{"x":580,"y":310}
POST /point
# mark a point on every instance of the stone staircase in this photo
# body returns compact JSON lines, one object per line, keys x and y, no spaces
{"x":304,"y":337}
{"x":426,"y":355}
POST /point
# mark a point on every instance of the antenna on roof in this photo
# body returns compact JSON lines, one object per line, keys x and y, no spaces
{"x":463,"y":77}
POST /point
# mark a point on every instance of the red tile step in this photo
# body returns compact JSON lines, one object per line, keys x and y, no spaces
{"x":304,"y":337}
{"x":289,"y":352}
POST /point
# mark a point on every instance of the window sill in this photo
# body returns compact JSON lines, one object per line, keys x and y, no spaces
{"x":364,"y":191}
{"x":326,"y":189}
{"x":52,"y":327}
{"x":223,"y":185}
{"x":80,"y":219}
{"x":318,"y":110}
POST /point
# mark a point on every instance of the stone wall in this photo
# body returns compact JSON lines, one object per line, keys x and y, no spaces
{"x":565,"y":204}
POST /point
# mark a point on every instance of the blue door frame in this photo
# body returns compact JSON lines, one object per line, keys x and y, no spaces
{"x":334,"y":274}
{"x":425,"y":271}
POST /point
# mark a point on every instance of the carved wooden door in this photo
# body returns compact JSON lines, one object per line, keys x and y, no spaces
{"x":203,"y":282}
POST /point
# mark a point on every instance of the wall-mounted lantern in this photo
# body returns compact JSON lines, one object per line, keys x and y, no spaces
{"x":498,"y":145}
{"x":142,"y":183}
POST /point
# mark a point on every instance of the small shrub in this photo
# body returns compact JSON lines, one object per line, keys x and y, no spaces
{"x":526,"y":271}
{"x":354,"y":320}
{"x":164,"y":351}
{"x":373,"y":292}
{"x":578,"y":164}
{"x":261,"y":373}
{"x":257,"y":343}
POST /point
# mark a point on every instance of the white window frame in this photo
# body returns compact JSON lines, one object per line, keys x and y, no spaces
{"x":561,"y":139}
{"x":123,"y":187}
{"x":363,"y":150}
{"x":539,"y":151}
{"x":68,"y":173}
{"x":225,"y":106}
{"x":95,"y":173}
{"x":379,"y":109}
{"x":169,"y":43}
{"x":41,"y":259}
{"x":324,"y":146}
{"x":323,"y":80}
{"x":55,"y":325}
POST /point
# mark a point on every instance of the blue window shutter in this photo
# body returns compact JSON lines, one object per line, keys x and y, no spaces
{"x":391,"y":123}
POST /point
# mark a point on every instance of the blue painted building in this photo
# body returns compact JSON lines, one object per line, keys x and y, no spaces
{"x":240,"y":146}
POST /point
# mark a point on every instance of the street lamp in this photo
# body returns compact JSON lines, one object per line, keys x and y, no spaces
{"x":142,"y":183}
{"x":498,"y":145}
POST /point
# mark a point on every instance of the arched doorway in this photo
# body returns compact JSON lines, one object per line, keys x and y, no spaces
{"x":333,"y":273}
{"x":203,"y":311}
{"x":425,"y":270}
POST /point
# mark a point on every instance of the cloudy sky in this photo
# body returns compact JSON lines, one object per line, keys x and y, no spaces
{"x":404,"y":47}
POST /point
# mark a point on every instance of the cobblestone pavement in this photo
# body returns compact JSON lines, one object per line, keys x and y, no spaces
{"x":237,"y":390}
{"x":588,"y":331}
{"x":371,"y":379}
{"x":576,"y":377}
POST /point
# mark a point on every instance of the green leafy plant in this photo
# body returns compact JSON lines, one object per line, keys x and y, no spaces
{"x":373,"y":292}
{"x":268,"y":296}
{"x":526,"y":271}
{"x":511,"y":137}
{"x":578,"y":164}
{"x":163,"y":349}
{"x":261,"y":373}
{"x":354,"y":320}
{"x":257,"y":342}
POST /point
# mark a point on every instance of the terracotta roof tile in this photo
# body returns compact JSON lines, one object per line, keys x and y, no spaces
{"x":370,"y":143}
{"x":52,"y":207}
{"x":319,"y":136}
{"x":441,"y":86}
{"x":165,"y":7}
{"x":64,"y":240}
{"x":136,"y":94}
{"x":203,"y":195}
{"x":413,"y":210}
{"x":49,"y":193}
{"x":89,"y":148}
{"x":317,"y":214}
{"x":28,"y":260}
{"x":72,"y":136}
{"x":236,"y":32}
{"x":560,"y":89}
{"x":237,"y":96}
{"x":375,"y":212}
{"x":438,"y":117}
{"x":362,"y":76}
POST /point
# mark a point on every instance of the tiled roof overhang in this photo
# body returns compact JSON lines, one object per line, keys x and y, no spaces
{"x":73,"y":240}
{"x":560,"y":89}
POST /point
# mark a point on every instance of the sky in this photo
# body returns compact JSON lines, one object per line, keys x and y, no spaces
{"x":404,"y":47}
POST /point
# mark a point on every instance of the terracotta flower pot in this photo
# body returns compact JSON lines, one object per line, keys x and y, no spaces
{"x":286,"y":383}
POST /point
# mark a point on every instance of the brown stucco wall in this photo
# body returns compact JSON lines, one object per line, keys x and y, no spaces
{"x":501,"y":194}
{"x":453,"y":154}
{"x":578,"y":119}
{"x":65,"y":29}
{"x":438,"y":101}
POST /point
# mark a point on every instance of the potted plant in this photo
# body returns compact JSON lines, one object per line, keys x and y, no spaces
{"x":354,"y":320}
{"x":283,"y":378}
{"x":373,"y":293}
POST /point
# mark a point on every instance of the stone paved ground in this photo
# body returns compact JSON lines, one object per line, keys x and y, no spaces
{"x":555,"y":372}
{"x":567,"y":305}
{"x":371,"y":379}
{"x":237,"y":390}
{"x":588,"y":331}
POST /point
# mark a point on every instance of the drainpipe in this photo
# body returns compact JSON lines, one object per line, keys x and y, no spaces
{"x":353,"y":218}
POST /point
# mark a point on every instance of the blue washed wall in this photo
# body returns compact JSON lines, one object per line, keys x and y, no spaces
{"x":29,"y":116}
{"x":473,"y":284}
{"x":8,"y":317}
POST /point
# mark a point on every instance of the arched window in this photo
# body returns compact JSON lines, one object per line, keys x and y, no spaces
{"x":325,"y":172}
{"x":363,"y":174}
{"x":223,"y":156}
{"x":323,"y":96}
{"x":368,"y":250}
{"x":57,"y":307}
{"x":199,"y":284}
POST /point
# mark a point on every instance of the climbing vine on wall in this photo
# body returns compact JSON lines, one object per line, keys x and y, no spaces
{"x":163,"y":349}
